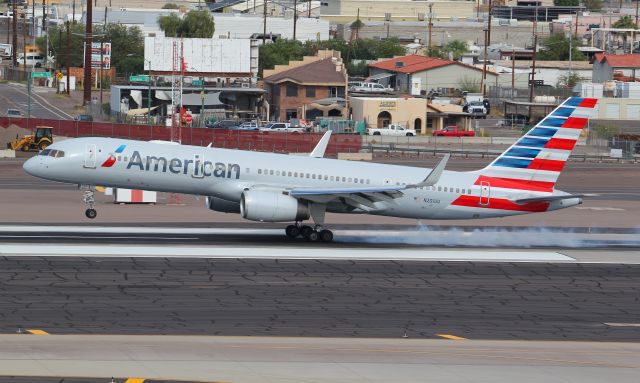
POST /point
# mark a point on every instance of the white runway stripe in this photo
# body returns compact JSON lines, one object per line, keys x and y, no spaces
{"x":279,"y":252}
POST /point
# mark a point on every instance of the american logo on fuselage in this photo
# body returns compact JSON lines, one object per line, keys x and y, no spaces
{"x":197,"y":167}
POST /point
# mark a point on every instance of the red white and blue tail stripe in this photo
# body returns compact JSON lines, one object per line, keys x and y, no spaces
{"x":535,"y":161}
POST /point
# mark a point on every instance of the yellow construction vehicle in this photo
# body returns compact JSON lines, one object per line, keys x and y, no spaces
{"x":31,"y":142}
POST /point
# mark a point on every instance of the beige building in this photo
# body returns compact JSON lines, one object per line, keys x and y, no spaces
{"x":345,"y":11}
{"x":378,"y":112}
{"x":617,"y":109}
{"x":440,"y":116}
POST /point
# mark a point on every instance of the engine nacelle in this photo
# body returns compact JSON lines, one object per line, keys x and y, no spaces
{"x":222,"y":205}
{"x":272,"y":206}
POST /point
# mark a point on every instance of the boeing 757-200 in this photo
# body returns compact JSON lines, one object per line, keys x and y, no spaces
{"x":269,"y":187}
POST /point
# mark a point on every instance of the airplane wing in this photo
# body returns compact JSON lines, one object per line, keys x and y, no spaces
{"x":365,"y":197}
{"x":550,"y":198}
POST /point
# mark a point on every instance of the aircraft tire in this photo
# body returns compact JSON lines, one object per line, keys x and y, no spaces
{"x":326,"y":236}
{"x":313,"y":236}
{"x":91,"y":213}
{"x":305,"y":230}
{"x":292,"y":231}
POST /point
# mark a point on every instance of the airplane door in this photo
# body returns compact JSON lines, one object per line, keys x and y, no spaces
{"x":90,"y":156}
{"x":485,"y":193}
{"x":198,"y":166}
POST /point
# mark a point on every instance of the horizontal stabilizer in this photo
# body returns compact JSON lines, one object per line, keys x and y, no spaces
{"x":550,"y":198}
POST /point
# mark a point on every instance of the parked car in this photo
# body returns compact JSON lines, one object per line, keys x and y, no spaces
{"x":280,"y":127}
{"x":370,"y":87}
{"x":83,"y":118}
{"x":453,"y":131}
{"x":249,"y":125}
{"x":391,"y":130}
{"x":14,"y":113}
{"x":476,"y":109}
{"x":222,"y":124}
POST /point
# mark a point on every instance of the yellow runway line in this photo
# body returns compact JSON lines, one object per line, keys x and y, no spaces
{"x":37,"y":332}
{"x":452,"y":337}
{"x":134,"y":380}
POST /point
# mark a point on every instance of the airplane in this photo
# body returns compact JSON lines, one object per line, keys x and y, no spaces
{"x":270,"y":187}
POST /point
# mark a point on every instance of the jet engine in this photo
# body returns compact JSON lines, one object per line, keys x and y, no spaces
{"x":272,"y":206}
{"x":222,"y":205}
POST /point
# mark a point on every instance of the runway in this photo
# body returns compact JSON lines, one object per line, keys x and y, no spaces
{"x":212,"y":281}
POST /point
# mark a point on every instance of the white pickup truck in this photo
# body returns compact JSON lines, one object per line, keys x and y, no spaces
{"x":391,"y":130}
{"x":280,"y":127}
{"x":369,"y":87}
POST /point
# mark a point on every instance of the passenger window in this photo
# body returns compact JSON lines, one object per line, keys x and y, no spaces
{"x":457,"y":190}
{"x":344,"y":179}
{"x":247,"y":170}
{"x":119,"y":158}
{"x":313,"y":176}
{"x":326,"y":177}
{"x":469,"y":191}
{"x":307,"y":175}
{"x":439,"y":188}
{"x":277,"y":172}
{"x":331,"y":178}
{"x":368,"y":181}
{"x":350,"y":179}
{"x":446,"y":189}
{"x":295,"y":174}
{"x":289,"y":174}
{"x":259,"y":171}
{"x":271,"y":172}
{"x":355,"y":180}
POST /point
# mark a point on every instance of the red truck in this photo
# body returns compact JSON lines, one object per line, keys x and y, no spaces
{"x":454,"y":131}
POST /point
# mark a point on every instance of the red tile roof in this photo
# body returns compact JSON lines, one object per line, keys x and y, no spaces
{"x":414,"y":63}
{"x":619,"y":61}
{"x":317,"y":72}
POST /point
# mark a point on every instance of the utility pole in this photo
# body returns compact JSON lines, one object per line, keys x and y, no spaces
{"x":104,"y":32}
{"x":637,"y":13}
{"x":309,"y":9}
{"x":295,"y":17}
{"x":88,"y":30}
{"x":513,"y":73}
{"x":67,"y":59}
{"x":576,"y":26}
{"x":430,"y":24}
{"x":483,"y":87}
{"x":264,"y":22}
{"x":15,"y":33}
{"x":489,"y":22}
{"x":533,"y":72}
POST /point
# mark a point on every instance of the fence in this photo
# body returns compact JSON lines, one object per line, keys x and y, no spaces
{"x":220,"y":138}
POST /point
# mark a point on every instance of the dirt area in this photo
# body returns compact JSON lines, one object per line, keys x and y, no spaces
{"x":9,"y":134}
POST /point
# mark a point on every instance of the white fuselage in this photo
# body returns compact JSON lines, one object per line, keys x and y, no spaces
{"x":225,"y":174}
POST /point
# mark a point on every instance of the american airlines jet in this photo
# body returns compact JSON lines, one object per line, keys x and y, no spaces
{"x":270,"y":187}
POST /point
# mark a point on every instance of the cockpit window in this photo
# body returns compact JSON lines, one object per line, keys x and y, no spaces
{"x":52,"y":153}
{"x":45,"y":152}
{"x":59,"y":154}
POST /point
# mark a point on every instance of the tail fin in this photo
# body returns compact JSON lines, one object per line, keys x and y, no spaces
{"x":535,"y":161}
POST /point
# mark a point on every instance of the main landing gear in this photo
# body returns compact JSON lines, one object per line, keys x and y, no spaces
{"x":89,"y":199}
{"x":311,"y":234}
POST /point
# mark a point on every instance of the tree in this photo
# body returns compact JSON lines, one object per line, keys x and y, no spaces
{"x":126,"y":45}
{"x":196,"y":24}
{"x":170,"y":6}
{"x":593,"y":5}
{"x":566,"y":3}
{"x":568,"y":80}
{"x":625,"y":22}
{"x":279,"y":52}
{"x":556,"y":47}
{"x":456,"y":48}
{"x":470,"y":85}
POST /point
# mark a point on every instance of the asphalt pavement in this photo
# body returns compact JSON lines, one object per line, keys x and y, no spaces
{"x":16,"y":96}
{"x":320,"y":298}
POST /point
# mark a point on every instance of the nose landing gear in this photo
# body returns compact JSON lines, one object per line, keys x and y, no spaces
{"x":311,"y":234}
{"x":89,"y":199}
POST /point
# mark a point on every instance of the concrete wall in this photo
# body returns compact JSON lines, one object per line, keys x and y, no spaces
{"x":602,"y":71}
{"x":401,"y":10}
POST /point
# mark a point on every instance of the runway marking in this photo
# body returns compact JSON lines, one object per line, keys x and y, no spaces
{"x":610,"y":324}
{"x":135,"y":380}
{"x":452,"y":337}
{"x":38,"y":332}
{"x":280,"y":252}
{"x":596,"y":208}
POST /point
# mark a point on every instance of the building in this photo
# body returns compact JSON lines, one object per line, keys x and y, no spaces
{"x":440,"y":116}
{"x":608,"y":66}
{"x":379,"y":112}
{"x":549,"y":72}
{"x":416,"y":74}
{"x":345,"y":11}
{"x":314,"y":87}
{"x":243,"y":26}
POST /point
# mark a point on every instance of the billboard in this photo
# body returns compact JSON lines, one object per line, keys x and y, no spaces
{"x":97,"y":56}
{"x":200,"y":55}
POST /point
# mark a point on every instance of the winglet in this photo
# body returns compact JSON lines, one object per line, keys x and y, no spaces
{"x":321,"y":147}
{"x":434,"y":175}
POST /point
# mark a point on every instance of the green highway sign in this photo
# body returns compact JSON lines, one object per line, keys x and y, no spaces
{"x":40,"y":75}
{"x":139,"y":78}
{"x":197,"y":83}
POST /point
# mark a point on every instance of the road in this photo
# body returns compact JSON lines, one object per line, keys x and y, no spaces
{"x":16,"y":96}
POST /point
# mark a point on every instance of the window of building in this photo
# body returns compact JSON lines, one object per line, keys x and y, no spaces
{"x":276,"y":90}
{"x":311,"y":91}
{"x":292,"y":90}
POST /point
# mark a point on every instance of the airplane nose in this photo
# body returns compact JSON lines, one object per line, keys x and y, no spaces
{"x":31,"y":166}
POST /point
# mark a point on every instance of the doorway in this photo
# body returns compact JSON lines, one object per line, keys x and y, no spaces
{"x":384,"y":119}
